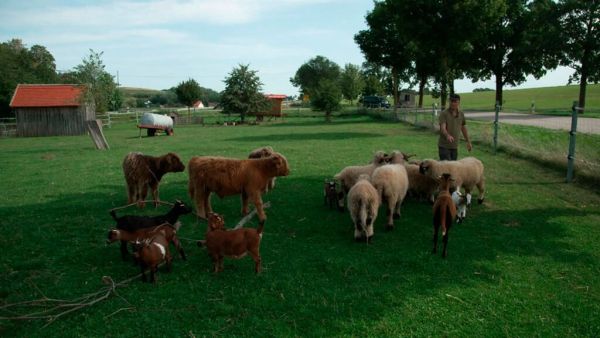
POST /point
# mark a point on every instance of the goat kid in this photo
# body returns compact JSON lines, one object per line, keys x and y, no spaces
{"x":333,"y":197}
{"x":444,"y":212}
{"x":133,"y":223}
{"x":231,"y":243}
{"x":170,"y":233}
{"x":151,"y":253}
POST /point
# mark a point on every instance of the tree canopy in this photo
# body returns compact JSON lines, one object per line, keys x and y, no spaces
{"x":242,"y":94}
{"x":100,"y":84}
{"x":580,"y":27}
{"x":311,"y":73}
{"x":19,"y":64}
{"x":352,"y":82}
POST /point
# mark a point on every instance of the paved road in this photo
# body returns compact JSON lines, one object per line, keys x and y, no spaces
{"x":584,"y":125}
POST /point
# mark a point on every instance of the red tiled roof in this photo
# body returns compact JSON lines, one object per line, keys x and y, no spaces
{"x":46,"y":95}
{"x":276,"y":96}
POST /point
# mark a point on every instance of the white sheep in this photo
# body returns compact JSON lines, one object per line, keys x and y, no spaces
{"x":467,"y":173}
{"x":391,"y":182}
{"x":363,"y":203}
{"x":461,"y":201}
{"x":349,"y":175}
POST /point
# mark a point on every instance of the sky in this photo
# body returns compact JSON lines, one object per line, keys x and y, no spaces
{"x":159,"y":43}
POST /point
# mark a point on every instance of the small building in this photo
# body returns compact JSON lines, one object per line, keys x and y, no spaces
{"x":198,"y":104}
{"x":407,"y":99}
{"x":276,"y":104}
{"x":51,"y":110}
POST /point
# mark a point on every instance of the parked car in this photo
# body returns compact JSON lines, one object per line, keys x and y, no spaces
{"x":375,"y":102}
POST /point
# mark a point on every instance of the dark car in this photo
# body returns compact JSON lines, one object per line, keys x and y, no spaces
{"x":375,"y":102}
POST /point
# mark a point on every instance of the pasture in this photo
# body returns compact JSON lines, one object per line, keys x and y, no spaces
{"x":525,"y":263}
{"x":548,"y":100}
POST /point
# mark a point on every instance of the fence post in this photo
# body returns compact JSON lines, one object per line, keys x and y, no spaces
{"x":572,"y":139}
{"x":498,"y":107}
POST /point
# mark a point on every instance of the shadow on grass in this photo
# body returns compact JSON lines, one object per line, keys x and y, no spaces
{"x":312,"y":264}
{"x":304,"y":137}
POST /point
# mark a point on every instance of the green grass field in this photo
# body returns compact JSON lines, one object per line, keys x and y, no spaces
{"x":548,"y":100}
{"x":525,"y":263}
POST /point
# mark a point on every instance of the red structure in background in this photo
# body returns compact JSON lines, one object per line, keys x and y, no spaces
{"x":276,"y":104}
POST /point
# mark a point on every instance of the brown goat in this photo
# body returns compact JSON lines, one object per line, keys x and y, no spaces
{"x":151,"y":253}
{"x":262,"y":153}
{"x":170,"y":233}
{"x":231,"y":243}
{"x":143,"y":171}
{"x":444,"y":212}
{"x":229,"y":176}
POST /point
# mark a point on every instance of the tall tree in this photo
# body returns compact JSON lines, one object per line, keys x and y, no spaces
{"x":188,"y":92}
{"x":374,"y":77}
{"x":326,"y":97}
{"x":352,"y":82}
{"x":387,"y":43}
{"x":312,"y":72}
{"x":580,"y":23}
{"x":242,"y":94}
{"x":513,"y":45}
{"x":100,"y":84}
{"x":19,"y":64}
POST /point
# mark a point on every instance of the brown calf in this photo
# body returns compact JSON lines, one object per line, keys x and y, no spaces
{"x":143,"y":171}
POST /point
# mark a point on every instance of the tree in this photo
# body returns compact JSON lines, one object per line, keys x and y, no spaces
{"x":374,"y":77}
{"x":513,"y":45}
{"x":188,"y":92}
{"x":580,"y":24}
{"x":326,"y":97}
{"x":100,"y":85}
{"x":387,"y":43}
{"x":311,"y":73}
{"x":242,"y":94}
{"x":352,"y":82}
{"x":18,"y":64}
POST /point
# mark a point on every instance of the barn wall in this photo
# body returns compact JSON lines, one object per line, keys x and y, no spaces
{"x":50,"y":121}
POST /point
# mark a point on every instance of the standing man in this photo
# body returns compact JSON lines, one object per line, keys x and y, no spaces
{"x":452,"y":121}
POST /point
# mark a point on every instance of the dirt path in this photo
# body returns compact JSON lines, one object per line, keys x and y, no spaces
{"x":585,"y":124}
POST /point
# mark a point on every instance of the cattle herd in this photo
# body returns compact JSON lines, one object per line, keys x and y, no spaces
{"x":387,"y":181}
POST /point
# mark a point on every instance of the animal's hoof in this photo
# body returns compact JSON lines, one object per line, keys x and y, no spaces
{"x":480,"y":201}
{"x":396,"y":216}
{"x":389,"y":227}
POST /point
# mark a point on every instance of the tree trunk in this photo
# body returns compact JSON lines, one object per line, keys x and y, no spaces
{"x":443,"y":92}
{"x":421,"y":90}
{"x":395,"y":85}
{"x":499,"y":85}
{"x":451,"y":86}
{"x":582,"y":88}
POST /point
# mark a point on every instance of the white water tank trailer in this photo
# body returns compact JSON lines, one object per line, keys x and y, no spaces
{"x":154,"y":122}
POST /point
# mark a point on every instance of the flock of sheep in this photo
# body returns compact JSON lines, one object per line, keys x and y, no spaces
{"x":387,"y":180}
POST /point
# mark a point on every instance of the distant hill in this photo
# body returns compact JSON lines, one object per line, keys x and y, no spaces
{"x":546,"y":99}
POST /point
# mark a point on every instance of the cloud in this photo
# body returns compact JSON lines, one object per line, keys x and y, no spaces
{"x":130,"y":13}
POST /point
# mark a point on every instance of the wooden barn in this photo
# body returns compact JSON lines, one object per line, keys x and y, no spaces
{"x":51,"y":110}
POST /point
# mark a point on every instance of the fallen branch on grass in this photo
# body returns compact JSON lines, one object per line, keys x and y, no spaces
{"x":56,"y":308}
